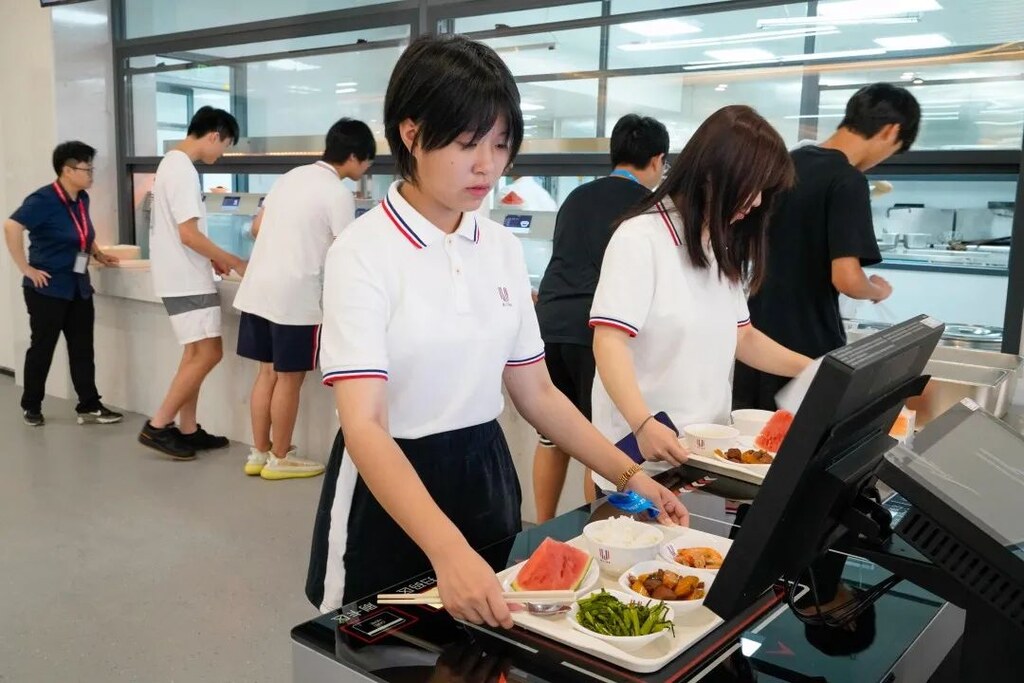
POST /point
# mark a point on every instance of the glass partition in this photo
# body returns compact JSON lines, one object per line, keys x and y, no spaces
{"x":152,"y":17}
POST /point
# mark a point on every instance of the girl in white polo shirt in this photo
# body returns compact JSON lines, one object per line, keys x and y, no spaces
{"x":427,"y":310}
{"x":670,"y":313}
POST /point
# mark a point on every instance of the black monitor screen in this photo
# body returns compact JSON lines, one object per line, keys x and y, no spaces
{"x":831,"y":452}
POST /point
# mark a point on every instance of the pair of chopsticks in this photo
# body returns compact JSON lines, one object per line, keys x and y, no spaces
{"x":433,"y":598}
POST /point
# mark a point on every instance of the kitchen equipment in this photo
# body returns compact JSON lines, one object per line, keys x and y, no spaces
{"x":919,"y":240}
{"x":916,"y":219}
{"x":991,"y":388}
{"x":887,"y":240}
{"x":973,"y":336}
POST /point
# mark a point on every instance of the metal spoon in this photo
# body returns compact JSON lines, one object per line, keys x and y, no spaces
{"x":546,"y":610}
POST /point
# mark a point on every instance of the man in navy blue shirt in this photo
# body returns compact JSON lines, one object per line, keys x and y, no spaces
{"x":58,"y":293}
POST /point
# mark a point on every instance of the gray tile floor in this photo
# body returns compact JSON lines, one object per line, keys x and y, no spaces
{"x":119,"y":565}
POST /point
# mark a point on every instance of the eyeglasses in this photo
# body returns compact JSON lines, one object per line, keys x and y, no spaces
{"x":87,"y":169}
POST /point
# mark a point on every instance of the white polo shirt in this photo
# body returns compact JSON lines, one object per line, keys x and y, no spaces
{"x":682,"y":322}
{"x":305,"y":210}
{"x":438,"y":316}
{"x":177,"y":198}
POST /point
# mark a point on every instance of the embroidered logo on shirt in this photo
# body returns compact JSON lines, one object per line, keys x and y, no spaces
{"x":505,"y":299}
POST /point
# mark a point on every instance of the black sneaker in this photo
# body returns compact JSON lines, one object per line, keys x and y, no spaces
{"x":167,"y":440}
{"x":101,"y":415}
{"x":202,"y":440}
{"x":34,"y":418}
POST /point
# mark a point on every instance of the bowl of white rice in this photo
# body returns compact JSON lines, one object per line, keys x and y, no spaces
{"x":618,"y":543}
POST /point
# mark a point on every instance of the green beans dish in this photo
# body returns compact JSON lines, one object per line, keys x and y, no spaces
{"x":605,"y":614}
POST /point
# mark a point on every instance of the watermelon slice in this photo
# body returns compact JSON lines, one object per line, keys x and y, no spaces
{"x":771,"y":437}
{"x":554,"y":566}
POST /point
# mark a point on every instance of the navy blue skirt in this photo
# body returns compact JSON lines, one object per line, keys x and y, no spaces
{"x":470,"y":475}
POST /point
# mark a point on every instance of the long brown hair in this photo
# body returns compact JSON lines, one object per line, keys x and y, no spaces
{"x":731,"y":157}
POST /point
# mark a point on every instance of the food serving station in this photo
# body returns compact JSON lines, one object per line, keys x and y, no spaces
{"x":932,"y":576}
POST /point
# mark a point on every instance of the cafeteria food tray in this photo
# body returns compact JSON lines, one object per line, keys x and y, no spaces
{"x":690,"y":625}
{"x":752,"y":474}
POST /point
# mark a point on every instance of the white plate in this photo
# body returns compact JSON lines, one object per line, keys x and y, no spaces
{"x":746,"y":443}
{"x":589,"y":583}
{"x":624,"y":643}
{"x":704,"y":575}
{"x":694,"y":539}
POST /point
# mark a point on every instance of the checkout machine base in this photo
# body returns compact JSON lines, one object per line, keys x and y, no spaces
{"x":764,"y":645}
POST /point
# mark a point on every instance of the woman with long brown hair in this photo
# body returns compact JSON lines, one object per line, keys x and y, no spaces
{"x":670,"y":313}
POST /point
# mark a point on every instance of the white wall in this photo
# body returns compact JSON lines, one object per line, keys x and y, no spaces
{"x":61,"y":89}
{"x":27,"y":136}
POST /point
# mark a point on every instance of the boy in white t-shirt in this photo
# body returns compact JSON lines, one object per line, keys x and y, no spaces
{"x":280,"y":295}
{"x":180,"y":260}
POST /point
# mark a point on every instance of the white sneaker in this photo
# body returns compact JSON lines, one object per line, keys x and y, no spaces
{"x":290,"y":467}
{"x":255,"y":462}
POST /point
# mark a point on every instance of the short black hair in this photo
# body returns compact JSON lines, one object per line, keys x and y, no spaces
{"x":449,"y":85}
{"x":73,"y":150}
{"x":208,"y":120}
{"x":346,"y":138}
{"x":877,"y":105}
{"x":638,"y":139}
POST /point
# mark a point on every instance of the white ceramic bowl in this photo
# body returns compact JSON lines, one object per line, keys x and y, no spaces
{"x":749,"y":421}
{"x":704,"y":575}
{"x":690,"y":539}
{"x":613,"y":559}
{"x":703,"y":439}
{"x":624,"y":643}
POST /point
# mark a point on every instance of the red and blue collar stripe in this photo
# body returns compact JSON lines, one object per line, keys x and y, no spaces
{"x":668,"y":223}
{"x":401,"y":224}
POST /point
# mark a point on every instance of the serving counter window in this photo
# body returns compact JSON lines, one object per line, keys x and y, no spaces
{"x":945,"y":244}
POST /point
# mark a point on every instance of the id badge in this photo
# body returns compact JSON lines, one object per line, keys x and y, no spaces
{"x":81,"y":262}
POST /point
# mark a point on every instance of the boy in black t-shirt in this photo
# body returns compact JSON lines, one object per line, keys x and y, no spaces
{"x":582,"y":229}
{"x":821,"y":236}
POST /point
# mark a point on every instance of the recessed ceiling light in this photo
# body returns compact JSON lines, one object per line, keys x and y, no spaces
{"x":346,"y":84}
{"x":838,"y":21}
{"x":919,"y":41}
{"x":875,"y":8}
{"x":740,"y":54}
{"x":291,"y":65}
{"x":758,"y":37}
{"x":918,"y":81}
{"x":530,"y":106}
{"x":820,"y":56}
{"x":343,"y":91}
{"x":661,"y":28}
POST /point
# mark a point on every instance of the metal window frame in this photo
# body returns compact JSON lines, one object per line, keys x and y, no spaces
{"x":423,"y":17}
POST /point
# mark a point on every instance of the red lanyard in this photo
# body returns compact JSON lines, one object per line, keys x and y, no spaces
{"x":81,"y":227}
